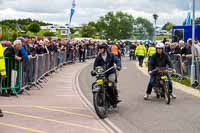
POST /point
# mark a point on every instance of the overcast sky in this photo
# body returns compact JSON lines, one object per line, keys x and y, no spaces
{"x":57,"y":11}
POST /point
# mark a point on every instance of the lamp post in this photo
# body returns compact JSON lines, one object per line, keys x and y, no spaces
{"x":193,"y":43}
{"x":155,"y":17}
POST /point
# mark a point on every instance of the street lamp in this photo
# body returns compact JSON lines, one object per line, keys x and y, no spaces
{"x":155,"y":17}
{"x":193,"y":43}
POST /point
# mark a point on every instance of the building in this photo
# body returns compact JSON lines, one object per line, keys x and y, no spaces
{"x":56,"y":29}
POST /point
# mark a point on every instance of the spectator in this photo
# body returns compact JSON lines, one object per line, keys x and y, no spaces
{"x":81,"y":50}
{"x":164,"y":40}
{"x":197,"y":49}
{"x":46,"y":44}
{"x":22,"y":52}
{"x":40,"y":49}
{"x":69,"y":51}
{"x":167,"y":47}
{"x":182,"y":47}
{"x":52,"y":48}
{"x":187,"y":57}
{"x":25,"y":43}
{"x":12,"y":53}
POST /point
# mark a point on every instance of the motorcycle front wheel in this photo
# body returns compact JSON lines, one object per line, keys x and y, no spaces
{"x":100,"y":104}
{"x":167,"y":94}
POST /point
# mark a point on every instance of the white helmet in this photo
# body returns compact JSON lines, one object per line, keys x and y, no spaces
{"x":160,"y":45}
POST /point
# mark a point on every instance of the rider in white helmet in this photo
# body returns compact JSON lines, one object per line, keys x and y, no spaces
{"x":159,"y":59}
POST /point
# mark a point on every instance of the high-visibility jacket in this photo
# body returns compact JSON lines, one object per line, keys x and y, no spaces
{"x":151,"y":51}
{"x":115,"y":50}
{"x":140,"y":50}
{"x":2,"y":61}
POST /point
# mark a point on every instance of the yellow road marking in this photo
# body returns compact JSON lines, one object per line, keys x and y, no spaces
{"x":52,"y":120}
{"x":31,"y":106}
{"x":21,"y":127}
{"x":50,"y":108}
{"x":66,"y":112}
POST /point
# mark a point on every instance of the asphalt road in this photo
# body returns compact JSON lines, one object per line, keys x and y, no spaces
{"x":55,"y":108}
{"x":135,"y":115}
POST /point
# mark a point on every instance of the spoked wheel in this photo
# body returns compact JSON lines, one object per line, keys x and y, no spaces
{"x":157,"y":93}
{"x":167,"y":95}
{"x":100,"y":105}
{"x":157,"y":96}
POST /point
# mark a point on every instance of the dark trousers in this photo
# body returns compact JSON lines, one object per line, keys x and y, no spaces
{"x":81,"y":56}
{"x":132,"y":56}
{"x":152,"y":82}
{"x":140,"y":59}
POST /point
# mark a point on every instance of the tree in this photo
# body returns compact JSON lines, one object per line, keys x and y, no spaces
{"x":143,"y":28}
{"x":168,"y":26}
{"x":197,"y":20}
{"x":117,"y":25}
{"x":13,"y":35}
{"x":34,"y":27}
{"x":88,"y":30}
{"x":48,"y":34}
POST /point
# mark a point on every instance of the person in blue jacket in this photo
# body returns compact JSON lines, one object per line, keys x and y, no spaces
{"x":107,"y":60}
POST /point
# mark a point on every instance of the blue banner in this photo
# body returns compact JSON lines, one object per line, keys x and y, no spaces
{"x":72,"y":10}
{"x":188,"y":19}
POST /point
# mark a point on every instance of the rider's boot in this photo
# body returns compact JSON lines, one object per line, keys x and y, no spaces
{"x":173,"y":95}
{"x":146,"y":97}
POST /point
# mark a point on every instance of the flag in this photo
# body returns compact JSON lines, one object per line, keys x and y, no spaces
{"x":188,"y":19}
{"x":72,"y":10}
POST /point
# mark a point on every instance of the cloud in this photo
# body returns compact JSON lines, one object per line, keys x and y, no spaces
{"x":57,"y":11}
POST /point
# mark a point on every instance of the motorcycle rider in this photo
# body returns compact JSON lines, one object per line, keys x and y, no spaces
{"x":107,"y":60}
{"x":159,"y":59}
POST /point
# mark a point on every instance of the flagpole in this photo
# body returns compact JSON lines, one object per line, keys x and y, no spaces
{"x":69,"y":32}
{"x":193,"y":43}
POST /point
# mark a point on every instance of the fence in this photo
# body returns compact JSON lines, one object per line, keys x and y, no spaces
{"x":182,"y":64}
{"x":32,"y":72}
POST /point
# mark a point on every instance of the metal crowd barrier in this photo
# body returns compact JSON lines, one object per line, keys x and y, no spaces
{"x":12,"y":82}
{"x":33,"y":72}
{"x":90,"y":53}
{"x":197,"y":72}
{"x":182,"y":64}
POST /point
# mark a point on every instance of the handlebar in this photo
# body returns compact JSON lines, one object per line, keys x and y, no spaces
{"x":94,"y":73}
{"x":113,"y":67}
{"x":162,"y":70}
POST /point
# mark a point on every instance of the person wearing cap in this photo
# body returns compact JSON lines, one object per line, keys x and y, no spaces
{"x":140,"y":52}
{"x":107,"y":60}
{"x":159,"y":59}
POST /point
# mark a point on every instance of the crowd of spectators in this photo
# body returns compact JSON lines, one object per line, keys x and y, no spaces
{"x":25,"y":49}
